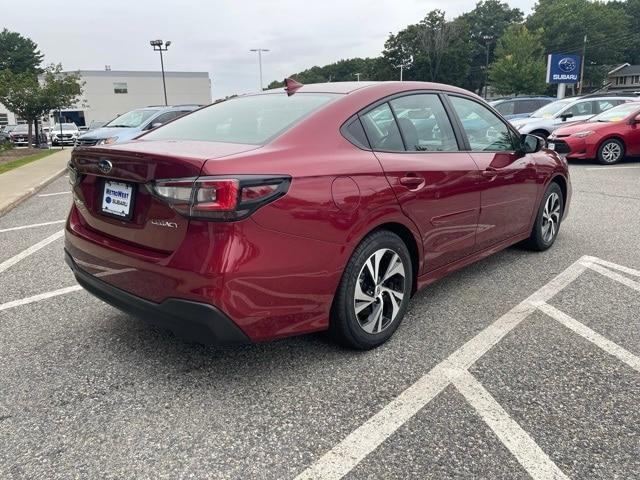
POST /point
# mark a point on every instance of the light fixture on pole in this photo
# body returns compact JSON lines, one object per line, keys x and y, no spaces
{"x":357,"y":76}
{"x":260,"y":50}
{"x":160,"y":46}
{"x":406,"y":64}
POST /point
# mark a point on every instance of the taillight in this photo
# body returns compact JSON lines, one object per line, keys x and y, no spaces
{"x":220,"y":198}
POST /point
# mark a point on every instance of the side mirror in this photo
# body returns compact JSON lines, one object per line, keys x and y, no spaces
{"x":564,"y":116}
{"x":532,"y":143}
{"x":635,"y":120}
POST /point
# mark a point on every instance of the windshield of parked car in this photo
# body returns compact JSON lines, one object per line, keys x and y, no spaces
{"x":252,"y":119}
{"x":132,"y":119}
{"x":551,"y":109}
{"x":618,"y":113}
{"x":65,"y":127}
{"x":23,"y":127}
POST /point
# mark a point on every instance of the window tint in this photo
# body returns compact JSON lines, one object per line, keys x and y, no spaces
{"x":485,"y":131}
{"x":581,"y":108}
{"x":382,"y":130}
{"x":527,"y":106}
{"x":165,"y":117}
{"x":424,"y":123}
{"x":505,"y":108}
{"x":253,"y":119}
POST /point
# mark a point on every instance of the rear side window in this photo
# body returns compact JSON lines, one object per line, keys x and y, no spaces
{"x":526,"y":106}
{"x":505,"y":108}
{"x":252,"y":119}
{"x":382,"y":129}
{"x":424,"y":123}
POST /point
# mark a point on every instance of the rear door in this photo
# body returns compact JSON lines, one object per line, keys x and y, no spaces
{"x":508,"y":178}
{"x":434,"y":181}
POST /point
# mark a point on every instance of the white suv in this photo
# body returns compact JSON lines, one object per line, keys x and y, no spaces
{"x":565,"y":112}
{"x":64,"y":134}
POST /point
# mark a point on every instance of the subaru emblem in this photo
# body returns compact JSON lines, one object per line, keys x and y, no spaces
{"x":105,"y":165}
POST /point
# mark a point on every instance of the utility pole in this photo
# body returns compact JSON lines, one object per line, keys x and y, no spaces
{"x":260,"y":50}
{"x":357,"y":76}
{"x":584,"y":49}
{"x":160,"y":46}
{"x":487,"y":41}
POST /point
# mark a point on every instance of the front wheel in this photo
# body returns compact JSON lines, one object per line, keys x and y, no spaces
{"x":611,"y":151}
{"x":374,"y":292}
{"x":547,"y":224}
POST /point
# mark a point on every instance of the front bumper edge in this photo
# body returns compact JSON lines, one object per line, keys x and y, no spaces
{"x":195,"y":321}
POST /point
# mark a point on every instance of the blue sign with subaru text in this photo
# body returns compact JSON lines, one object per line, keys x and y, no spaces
{"x":563,"y":68}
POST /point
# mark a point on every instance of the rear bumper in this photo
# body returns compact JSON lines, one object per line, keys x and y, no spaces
{"x":196,"y":321}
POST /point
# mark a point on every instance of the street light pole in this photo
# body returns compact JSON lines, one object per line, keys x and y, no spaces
{"x":487,"y":40}
{"x":160,"y":46}
{"x":584,"y":50}
{"x":260,"y":50}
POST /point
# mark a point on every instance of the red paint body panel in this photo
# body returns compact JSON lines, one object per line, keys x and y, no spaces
{"x":275,"y":273}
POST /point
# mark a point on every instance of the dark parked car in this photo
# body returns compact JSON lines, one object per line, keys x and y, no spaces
{"x":319,"y":207}
{"x":19,"y":135}
{"x":519,"y":107}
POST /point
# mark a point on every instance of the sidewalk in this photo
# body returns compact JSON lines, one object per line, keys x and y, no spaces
{"x":22,"y":182}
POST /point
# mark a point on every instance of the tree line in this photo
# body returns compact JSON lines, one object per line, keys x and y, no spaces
{"x":29,"y":89}
{"x":497,"y":45}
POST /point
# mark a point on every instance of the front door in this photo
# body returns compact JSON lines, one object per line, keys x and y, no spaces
{"x":434,"y":180}
{"x":508,"y":178}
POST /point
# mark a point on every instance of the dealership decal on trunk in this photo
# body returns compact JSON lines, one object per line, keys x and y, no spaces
{"x":164,"y":223}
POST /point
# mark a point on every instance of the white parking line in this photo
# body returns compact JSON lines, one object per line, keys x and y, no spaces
{"x":614,"y":266}
{"x":52,"y":194}
{"x":613,"y":168}
{"x":520,"y":444}
{"x":33,"y":225}
{"x":37,"y":298}
{"x":594,"y":337}
{"x":55,"y":293}
{"x":32,"y":249}
{"x":615,"y":276}
{"x":344,"y":456}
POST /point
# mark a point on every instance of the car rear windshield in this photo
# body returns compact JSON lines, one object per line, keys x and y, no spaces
{"x":253,"y":119}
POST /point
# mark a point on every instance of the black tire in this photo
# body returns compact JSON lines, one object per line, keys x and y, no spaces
{"x":346,"y":327}
{"x":539,"y":239}
{"x":611,"y":151}
{"x":540,"y":133}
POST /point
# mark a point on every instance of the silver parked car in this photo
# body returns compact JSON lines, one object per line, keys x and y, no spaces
{"x":565,"y":112}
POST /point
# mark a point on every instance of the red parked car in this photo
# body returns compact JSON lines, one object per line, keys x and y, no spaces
{"x":607,"y":137}
{"x":318,"y":207}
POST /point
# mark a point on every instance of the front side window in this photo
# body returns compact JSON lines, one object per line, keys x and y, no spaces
{"x":424,"y":123}
{"x":484,"y":130}
{"x":251,"y":119}
{"x":579,"y":109}
{"x":382,"y":129}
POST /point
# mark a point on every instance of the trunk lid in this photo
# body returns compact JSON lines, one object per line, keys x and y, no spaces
{"x":152,"y":223}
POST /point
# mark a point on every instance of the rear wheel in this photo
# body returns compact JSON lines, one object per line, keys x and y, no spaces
{"x":374,"y":292}
{"x":611,"y":151}
{"x":547,"y":225}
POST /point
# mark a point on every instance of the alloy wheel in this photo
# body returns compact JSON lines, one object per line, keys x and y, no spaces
{"x":611,"y":152}
{"x":551,"y":217}
{"x":379,"y":291}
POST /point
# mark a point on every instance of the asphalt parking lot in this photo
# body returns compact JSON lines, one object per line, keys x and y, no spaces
{"x":525,"y":365}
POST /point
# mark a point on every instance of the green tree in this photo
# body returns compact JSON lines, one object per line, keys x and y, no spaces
{"x":567,"y":22}
{"x":519,"y":66}
{"x":31,"y":96}
{"x":487,"y":23}
{"x":18,"y":54}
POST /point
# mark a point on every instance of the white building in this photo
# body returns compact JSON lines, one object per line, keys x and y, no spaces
{"x":107,"y":93}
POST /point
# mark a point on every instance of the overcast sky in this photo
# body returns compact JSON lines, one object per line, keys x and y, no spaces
{"x":215,"y":36}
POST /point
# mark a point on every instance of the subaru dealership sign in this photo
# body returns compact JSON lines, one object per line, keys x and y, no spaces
{"x":563,"y":68}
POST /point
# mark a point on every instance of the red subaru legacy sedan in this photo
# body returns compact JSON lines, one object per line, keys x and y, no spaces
{"x":318,"y":207}
{"x":607,"y":137}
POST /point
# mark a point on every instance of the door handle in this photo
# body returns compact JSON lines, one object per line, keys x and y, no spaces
{"x":490,"y":173}
{"x":412,"y":181}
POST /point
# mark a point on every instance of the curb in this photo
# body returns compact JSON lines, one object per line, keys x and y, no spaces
{"x":32,"y":191}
